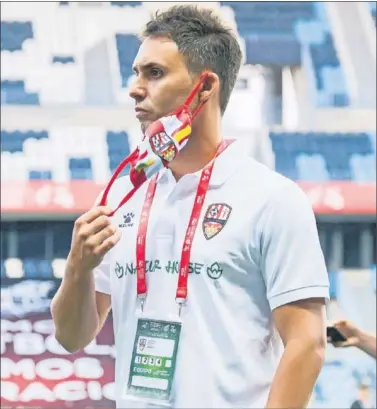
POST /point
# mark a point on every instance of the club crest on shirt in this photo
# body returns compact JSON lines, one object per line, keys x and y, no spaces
{"x":163,"y":146}
{"x":215,"y":219}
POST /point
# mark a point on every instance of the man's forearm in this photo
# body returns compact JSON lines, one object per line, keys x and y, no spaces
{"x":367,"y":343}
{"x":296,"y":375}
{"x":74,"y":311}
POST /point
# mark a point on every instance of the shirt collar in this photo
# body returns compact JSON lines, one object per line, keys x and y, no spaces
{"x":226,"y":164}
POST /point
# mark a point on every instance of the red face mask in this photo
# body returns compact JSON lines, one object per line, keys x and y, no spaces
{"x":162,"y":142}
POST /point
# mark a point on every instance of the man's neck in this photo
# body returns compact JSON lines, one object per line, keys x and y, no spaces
{"x":197,"y":153}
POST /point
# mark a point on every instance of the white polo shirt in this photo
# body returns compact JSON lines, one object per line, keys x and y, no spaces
{"x":267,"y":254}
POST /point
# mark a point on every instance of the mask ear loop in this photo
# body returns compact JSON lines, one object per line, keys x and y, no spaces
{"x":198,"y":109}
{"x":191,"y":97}
{"x":119,"y":169}
{"x":195,"y":90}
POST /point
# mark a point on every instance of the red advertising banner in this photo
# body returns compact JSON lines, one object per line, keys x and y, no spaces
{"x":341,"y":197}
{"x":78,"y":196}
{"x":35,"y":370}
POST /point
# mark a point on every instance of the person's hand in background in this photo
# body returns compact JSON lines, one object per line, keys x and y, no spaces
{"x":355,"y":338}
{"x":349,"y":331}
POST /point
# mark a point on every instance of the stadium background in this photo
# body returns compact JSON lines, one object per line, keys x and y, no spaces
{"x":305,"y":99}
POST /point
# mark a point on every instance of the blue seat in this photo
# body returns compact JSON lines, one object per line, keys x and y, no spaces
{"x":13,"y":93}
{"x":312,"y":168}
{"x":372,"y":140}
{"x":80,"y":169}
{"x":269,"y":30}
{"x":63,"y":59}
{"x":30,"y":268}
{"x":40,"y":175}
{"x":36,"y":268}
{"x":45,"y":268}
{"x":14,"y":33}
{"x":273,"y":49}
{"x":127,"y":47}
{"x":324,"y":156}
{"x":309,"y":32}
{"x":118,"y":148}
{"x":13,"y":141}
{"x":3,"y":269}
{"x":363,"y":168}
{"x":333,"y":281}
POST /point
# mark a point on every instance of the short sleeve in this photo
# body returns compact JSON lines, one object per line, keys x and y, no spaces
{"x":292,"y":261}
{"x":102,"y":276}
{"x":102,"y":272}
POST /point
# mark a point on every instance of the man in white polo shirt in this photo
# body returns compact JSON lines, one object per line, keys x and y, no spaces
{"x":213,"y":269}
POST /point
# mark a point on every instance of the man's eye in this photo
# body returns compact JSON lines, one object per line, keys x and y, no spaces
{"x":155,"y":72}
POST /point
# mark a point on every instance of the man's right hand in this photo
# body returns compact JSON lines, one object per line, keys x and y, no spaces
{"x":93,"y":236}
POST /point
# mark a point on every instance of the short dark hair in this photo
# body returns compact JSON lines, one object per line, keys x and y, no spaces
{"x":204,"y":41}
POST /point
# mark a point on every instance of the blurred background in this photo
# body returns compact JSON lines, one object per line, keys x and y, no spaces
{"x":306,"y":101}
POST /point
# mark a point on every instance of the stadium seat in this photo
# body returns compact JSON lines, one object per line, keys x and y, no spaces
{"x":312,"y":168}
{"x":13,"y":92}
{"x":320,"y":156}
{"x":127,"y":46}
{"x":275,"y":33}
{"x":30,"y":267}
{"x":13,"y":141}
{"x":81,"y":169}
{"x":14,"y":33}
{"x":363,"y":168}
{"x":35,"y":268}
{"x":40,"y":175}
{"x":3,"y":269}
{"x":63,"y":59}
{"x":118,"y":148}
{"x":333,"y":280}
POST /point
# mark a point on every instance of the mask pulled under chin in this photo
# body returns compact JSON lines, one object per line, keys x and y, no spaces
{"x":162,"y":142}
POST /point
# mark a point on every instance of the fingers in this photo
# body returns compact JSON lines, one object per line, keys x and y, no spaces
{"x":341,"y":323}
{"x":93,"y":214}
{"x":92,"y":222}
{"x":109,"y":243}
{"x":96,"y":240}
{"x":101,"y":223}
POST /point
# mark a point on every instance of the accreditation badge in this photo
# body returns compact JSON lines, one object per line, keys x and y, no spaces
{"x":153,"y":361}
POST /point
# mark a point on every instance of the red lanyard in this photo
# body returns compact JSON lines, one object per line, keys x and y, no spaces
{"x":181,"y":294}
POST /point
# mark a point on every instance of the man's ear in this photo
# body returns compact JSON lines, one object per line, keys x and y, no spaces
{"x":210,"y":86}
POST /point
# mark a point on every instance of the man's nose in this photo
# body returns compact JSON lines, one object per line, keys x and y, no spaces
{"x":137,"y":90}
